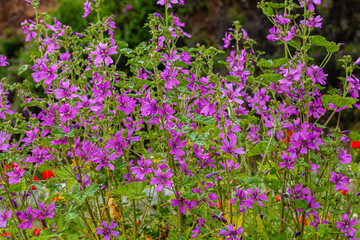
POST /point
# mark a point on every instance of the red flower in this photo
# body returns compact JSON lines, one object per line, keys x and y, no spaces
{"x":343,"y":192}
{"x":14,"y":165}
{"x":37,"y":231}
{"x":5,"y":234}
{"x":305,"y":223}
{"x":355,"y":144}
{"x":278,"y":198}
{"x":287,"y":138}
{"x":36,"y":180}
{"x":47,"y":174}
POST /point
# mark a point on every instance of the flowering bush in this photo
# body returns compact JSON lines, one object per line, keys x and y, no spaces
{"x":164,"y":148}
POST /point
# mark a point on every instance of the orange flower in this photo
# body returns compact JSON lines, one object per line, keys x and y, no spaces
{"x":278,"y":198}
{"x":355,"y":144}
{"x":47,"y":174}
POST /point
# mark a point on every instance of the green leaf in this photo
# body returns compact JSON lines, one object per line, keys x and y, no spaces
{"x":355,"y":136}
{"x":301,"y":203}
{"x":267,"y":78}
{"x":296,"y":45}
{"x":261,"y":147}
{"x":57,"y":132}
{"x":132,"y":190}
{"x":254,"y":181}
{"x":22,"y":69}
{"x":141,"y":82}
{"x":70,"y":216}
{"x":90,"y":190}
{"x":127,"y":52}
{"x":20,"y":186}
{"x":317,"y":40}
{"x":338,"y":101}
{"x":272,"y":63}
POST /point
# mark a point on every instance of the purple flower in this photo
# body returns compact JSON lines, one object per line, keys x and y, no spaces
{"x":66,"y":91}
{"x":144,"y":168}
{"x":29,"y":29}
{"x":67,"y":112}
{"x":311,"y":206}
{"x":289,"y":34}
{"x":40,"y":155}
{"x":169,"y":2}
{"x":354,"y":86}
{"x":3,"y":61}
{"x":179,"y":201}
{"x":230,"y":148}
{"x":227,"y":40}
{"x":317,"y":222}
{"x":28,"y":217}
{"x":45,"y":73}
{"x":118,"y":144}
{"x":310,"y":4}
{"x":170,"y":78}
{"x":316,"y":74}
{"x":288,"y":160}
{"x":343,"y":156}
{"x":126,"y":104}
{"x":15,"y":176}
{"x":299,"y":193}
{"x":197,"y":230}
{"x":175,"y":145}
{"x":340,"y":181}
{"x":345,"y":226}
{"x":31,"y":135}
{"x":4,"y":137}
{"x":162,"y":179}
{"x":315,"y":108}
{"x":104,"y":161}
{"x":101,"y":91}
{"x":87,"y":8}
{"x":281,"y":20}
{"x":256,"y":196}
{"x":244,"y":203}
{"x":102,"y":54}
{"x":45,"y":212}
{"x":231,"y":233}
{"x":274,"y":35}
{"x":107,"y":230}
{"x":3,"y":216}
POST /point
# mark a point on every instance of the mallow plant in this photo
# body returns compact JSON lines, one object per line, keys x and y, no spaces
{"x":153,"y":143}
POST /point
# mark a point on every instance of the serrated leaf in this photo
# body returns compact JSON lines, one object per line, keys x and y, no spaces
{"x":90,"y":190}
{"x":296,"y":45}
{"x":272,"y":63}
{"x":338,"y":101}
{"x":141,"y":82}
{"x":57,"y":132}
{"x":267,"y":78}
{"x":134,"y":190}
{"x":317,"y":40}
